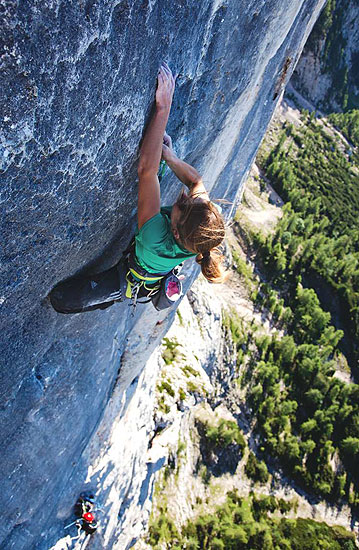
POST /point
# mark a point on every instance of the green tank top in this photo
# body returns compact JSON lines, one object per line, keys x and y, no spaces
{"x":155,"y":246}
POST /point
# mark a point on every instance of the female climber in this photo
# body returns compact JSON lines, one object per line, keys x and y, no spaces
{"x":165,"y":237}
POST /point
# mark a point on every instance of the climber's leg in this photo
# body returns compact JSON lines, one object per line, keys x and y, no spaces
{"x":93,"y":292}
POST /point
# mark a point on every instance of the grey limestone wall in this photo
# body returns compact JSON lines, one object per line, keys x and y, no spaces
{"x":78,"y":82}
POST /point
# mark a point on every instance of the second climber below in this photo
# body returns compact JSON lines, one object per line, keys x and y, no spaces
{"x":165,"y":236}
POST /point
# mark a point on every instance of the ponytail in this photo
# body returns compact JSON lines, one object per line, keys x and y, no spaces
{"x":211,"y":263}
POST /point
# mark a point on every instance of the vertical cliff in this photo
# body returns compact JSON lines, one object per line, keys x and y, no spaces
{"x":78,"y":85}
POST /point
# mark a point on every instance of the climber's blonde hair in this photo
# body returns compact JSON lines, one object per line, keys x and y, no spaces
{"x":201,"y":230}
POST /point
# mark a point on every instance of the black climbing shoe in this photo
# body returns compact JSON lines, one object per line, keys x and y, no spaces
{"x":100,"y":291}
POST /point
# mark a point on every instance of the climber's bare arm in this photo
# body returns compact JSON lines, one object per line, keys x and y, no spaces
{"x":185,"y":172}
{"x":151,"y":148}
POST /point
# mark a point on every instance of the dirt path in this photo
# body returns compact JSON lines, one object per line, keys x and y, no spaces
{"x":300,"y":100}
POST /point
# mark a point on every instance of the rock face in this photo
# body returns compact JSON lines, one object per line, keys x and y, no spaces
{"x":78,"y":87}
{"x":327,"y":73}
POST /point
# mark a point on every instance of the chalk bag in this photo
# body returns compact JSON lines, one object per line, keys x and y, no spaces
{"x":169,"y":293}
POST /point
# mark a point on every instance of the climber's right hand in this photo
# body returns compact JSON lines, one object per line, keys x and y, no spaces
{"x":167,"y":140}
{"x":165,"y":87}
{"x":167,"y":153}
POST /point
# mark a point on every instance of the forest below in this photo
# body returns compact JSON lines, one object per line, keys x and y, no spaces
{"x":317,"y":176}
{"x":248,"y":523}
{"x":307,"y":418}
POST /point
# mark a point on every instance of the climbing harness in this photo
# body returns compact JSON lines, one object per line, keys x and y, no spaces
{"x":162,"y":289}
{"x":140,"y":283}
{"x":85,"y":521}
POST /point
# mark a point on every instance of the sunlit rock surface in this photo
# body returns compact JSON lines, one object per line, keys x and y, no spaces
{"x":78,"y":86}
